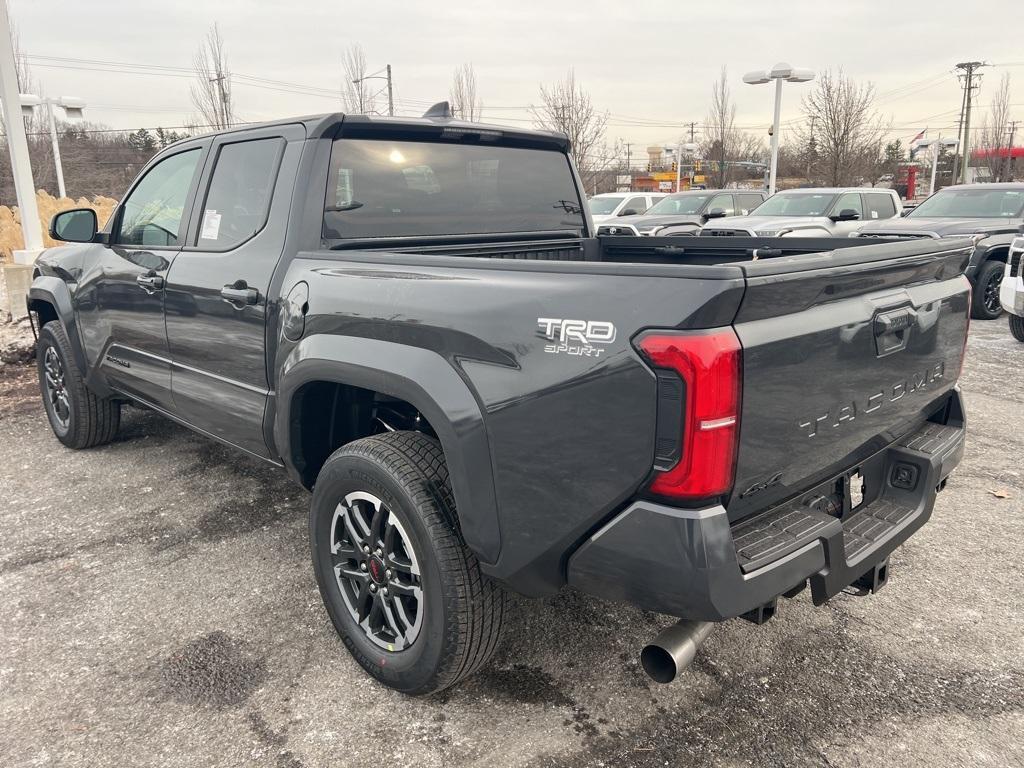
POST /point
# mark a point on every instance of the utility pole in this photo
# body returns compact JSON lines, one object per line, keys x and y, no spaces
{"x":959,"y":133}
{"x":391,"y":99}
{"x":969,"y":67}
{"x":692,"y":124}
{"x":1008,"y":172}
{"x":222,"y":94}
{"x":17,"y":142}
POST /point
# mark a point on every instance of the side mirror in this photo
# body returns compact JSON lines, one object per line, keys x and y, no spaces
{"x":847,"y":214}
{"x":630,"y":212}
{"x":77,"y":225}
{"x":715,"y":213}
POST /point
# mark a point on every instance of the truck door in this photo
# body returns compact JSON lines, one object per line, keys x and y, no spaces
{"x":120,"y":296}
{"x":217,"y":288}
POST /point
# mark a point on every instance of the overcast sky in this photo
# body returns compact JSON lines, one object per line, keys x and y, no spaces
{"x":650,"y":64}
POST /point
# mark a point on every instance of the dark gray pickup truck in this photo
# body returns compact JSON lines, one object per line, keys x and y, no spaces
{"x":411,"y":317}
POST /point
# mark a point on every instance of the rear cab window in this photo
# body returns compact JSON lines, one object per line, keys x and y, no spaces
{"x":380,"y":188}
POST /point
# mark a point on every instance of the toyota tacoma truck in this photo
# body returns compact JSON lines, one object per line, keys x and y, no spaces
{"x":413,"y":319}
{"x":990,"y":214}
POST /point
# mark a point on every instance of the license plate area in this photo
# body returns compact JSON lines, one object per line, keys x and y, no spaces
{"x":855,"y":489}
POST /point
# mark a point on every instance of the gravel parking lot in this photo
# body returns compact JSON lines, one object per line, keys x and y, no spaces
{"x":158,"y":608}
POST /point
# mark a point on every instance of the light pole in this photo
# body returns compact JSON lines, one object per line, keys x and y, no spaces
{"x":779,"y":73}
{"x":937,"y":146}
{"x":17,"y":144}
{"x":72,"y":107}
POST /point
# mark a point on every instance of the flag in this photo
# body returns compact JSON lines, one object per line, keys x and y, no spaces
{"x":913,"y":149}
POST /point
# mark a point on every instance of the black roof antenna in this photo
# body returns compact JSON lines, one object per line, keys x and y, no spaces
{"x":442,"y":110}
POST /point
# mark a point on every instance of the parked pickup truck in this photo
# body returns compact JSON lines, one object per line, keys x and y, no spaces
{"x":820,"y":212}
{"x":991,"y":214}
{"x":412,"y":318}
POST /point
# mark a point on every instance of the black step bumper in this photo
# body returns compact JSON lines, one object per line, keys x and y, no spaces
{"x":695,"y":564}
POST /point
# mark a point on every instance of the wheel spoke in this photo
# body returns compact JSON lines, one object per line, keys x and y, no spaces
{"x":351,"y":573}
{"x":386,"y":607}
{"x":402,"y":615}
{"x":404,"y":589}
{"x":364,"y":601}
{"x":355,"y":534}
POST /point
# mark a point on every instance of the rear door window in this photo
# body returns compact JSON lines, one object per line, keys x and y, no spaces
{"x":880,"y":206}
{"x":385,"y":188}
{"x":747,"y":203}
{"x":238,"y":199}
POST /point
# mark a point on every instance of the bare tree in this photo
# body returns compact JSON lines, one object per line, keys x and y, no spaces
{"x":357,"y":92}
{"x":465,"y":101}
{"x":995,"y":131}
{"x":211,"y":92}
{"x":847,"y":130}
{"x":566,"y":107}
{"x":720,"y":139}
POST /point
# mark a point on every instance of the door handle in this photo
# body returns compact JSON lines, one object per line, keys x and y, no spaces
{"x":150,"y":282}
{"x":240,"y":293}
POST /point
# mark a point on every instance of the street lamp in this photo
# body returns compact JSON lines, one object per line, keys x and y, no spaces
{"x":937,"y":146}
{"x":691,"y":149}
{"x":72,"y":107}
{"x":779,"y":73}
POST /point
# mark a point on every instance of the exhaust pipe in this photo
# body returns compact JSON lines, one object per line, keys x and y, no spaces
{"x":672,"y":651}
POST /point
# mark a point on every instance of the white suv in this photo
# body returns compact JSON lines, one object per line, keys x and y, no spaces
{"x":1011,"y":290}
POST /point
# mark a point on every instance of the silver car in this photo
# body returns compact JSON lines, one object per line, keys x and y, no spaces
{"x":823,"y":212}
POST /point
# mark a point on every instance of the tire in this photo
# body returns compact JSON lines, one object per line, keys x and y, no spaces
{"x":454,"y":626}
{"x":79,"y":418}
{"x":1017,"y":327}
{"x":985,"y":296}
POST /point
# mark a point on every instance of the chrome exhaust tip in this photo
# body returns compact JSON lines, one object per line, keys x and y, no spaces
{"x":672,"y":651}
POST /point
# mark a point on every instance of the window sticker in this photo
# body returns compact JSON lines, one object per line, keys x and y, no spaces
{"x":211,"y":225}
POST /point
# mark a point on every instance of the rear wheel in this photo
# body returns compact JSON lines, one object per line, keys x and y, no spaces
{"x":79,"y":418}
{"x":404,"y":592}
{"x":1017,"y":327}
{"x":985,"y":299}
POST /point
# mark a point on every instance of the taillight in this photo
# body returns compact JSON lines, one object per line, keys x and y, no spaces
{"x":708,"y":362}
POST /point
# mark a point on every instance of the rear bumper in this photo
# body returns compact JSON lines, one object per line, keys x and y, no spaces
{"x":695,"y":564}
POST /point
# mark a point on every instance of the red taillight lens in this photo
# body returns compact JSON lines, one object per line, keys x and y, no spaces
{"x":709,"y":364}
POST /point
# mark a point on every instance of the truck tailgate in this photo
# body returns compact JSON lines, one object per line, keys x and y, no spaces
{"x":843,"y":353}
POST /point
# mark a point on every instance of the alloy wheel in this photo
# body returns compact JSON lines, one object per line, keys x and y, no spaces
{"x":377,"y":572}
{"x":56,"y":388}
{"x":991,"y":297}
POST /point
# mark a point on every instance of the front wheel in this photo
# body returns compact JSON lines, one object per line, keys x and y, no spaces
{"x":404,"y":592}
{"x":1017,"y":327}
{"x":985,"y":299}
{"x":79,"y":418}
